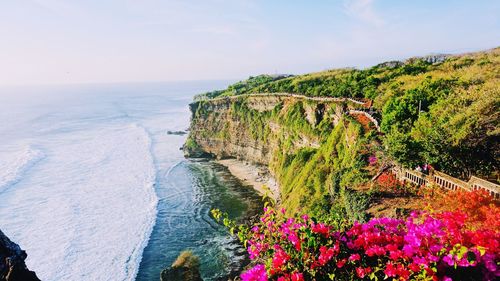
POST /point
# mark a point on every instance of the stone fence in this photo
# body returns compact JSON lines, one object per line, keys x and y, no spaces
{"x":446,"y":181}
{"x":299,"y":96}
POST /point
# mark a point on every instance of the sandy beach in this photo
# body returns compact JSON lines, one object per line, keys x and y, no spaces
{"x":256,"y":176}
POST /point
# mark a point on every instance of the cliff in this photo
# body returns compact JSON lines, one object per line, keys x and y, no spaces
{"x":311,"y":146}
{"x":12,"y":266}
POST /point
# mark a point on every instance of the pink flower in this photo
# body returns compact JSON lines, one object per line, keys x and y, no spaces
{"x":362,"y":272}
{"x":372,"y":160}
{"x":256,"y":248}
{"x":321,"y":229}
{"x":325,"y":255}
{"x":280,"y":257}
{"x":390,"y":270}
{"x":256,"y":273}
{"x":449,"y":260}
{"x":341,"y":263}
{"x":296,"y":276}
{"x":424,"y":243}
{"x":354,"y":257}
{"x":294,"y":239}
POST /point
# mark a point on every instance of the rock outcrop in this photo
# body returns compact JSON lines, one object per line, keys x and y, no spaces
{"x":12,"y":266}
{"x":185,"y":268}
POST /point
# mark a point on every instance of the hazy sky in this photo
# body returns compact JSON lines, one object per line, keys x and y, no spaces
{"x":64,"y":41}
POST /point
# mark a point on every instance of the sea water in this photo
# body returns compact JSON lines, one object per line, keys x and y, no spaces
{"x":93,"y":187}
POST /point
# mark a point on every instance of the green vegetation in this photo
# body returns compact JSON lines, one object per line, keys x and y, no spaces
{"x":191,"y":145}
{"x":307,"y":174}
{"x":444,"y":112}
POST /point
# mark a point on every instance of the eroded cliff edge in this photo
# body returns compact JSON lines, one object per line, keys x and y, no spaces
{"x":311,"y":146}
{"x":12,"y":266}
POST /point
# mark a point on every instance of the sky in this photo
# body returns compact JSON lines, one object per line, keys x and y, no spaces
{"x":99,"y":41}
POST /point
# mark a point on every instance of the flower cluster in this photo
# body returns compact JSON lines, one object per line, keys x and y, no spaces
{"x":426,"y":246}
{"x":387,"y":182}
{"x":364,"y":121}
{"x":372,"y":160}
{"x":482,"y":211}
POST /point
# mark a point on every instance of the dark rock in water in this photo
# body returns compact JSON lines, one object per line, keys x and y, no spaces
{"x":185,"y":268}
{"x":12,"y":266}
{"x":179,"y":274}
{"x":195,"y":151}
{"x":179,"y":133}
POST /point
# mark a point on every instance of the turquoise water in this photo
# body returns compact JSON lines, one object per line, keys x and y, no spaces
{"x":186,"y":194}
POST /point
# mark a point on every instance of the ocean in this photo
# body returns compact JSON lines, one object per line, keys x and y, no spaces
{"x":93,"y":187}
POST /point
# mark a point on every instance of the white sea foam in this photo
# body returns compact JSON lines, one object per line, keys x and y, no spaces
{"x":13,"y":166}
{"x":89,"y":214}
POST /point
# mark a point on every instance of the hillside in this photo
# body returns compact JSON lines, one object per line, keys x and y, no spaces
{"x":457,"y":128}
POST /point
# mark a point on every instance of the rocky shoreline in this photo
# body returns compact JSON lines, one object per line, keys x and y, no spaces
{"x":12,"y":265}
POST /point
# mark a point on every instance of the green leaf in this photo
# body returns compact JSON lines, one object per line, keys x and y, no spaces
{"x":482,"y":250}
{"x":461,"y":252}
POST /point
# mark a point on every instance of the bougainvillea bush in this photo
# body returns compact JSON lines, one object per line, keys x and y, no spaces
{"x":424,"y":246}
{"x":483,"y":212}
{"x":388,"y":183}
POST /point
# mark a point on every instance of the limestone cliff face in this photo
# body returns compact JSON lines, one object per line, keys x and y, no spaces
{"x":267,"y":130}
{"x":12,"y":266}
{"x":244,"y":127}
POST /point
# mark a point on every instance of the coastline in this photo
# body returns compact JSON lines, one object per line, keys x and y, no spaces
{"x":256,"y":176}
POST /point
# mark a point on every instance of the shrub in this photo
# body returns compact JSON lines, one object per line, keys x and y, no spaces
{"x":481,"y":210}
{"x":388,"y":183}
{"x":425,"y":246}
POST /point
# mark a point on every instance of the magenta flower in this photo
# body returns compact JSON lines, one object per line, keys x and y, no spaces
{"x":372,"y":160}
{"x":354,"y":257}
{"x":256,"y":273}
